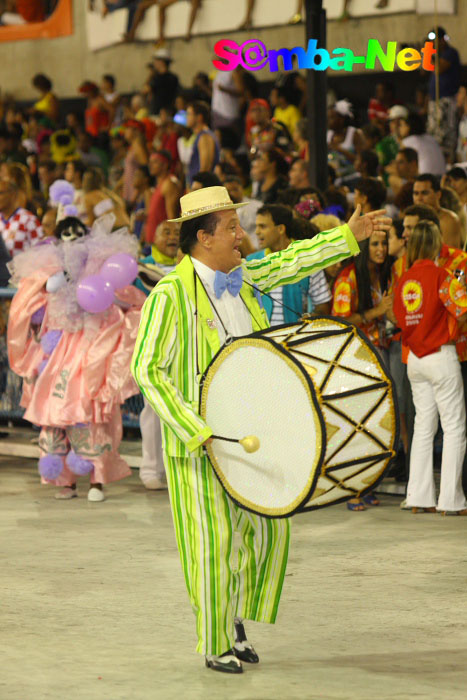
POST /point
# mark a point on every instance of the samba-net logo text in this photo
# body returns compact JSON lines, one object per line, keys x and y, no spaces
{"x":253,"y":55}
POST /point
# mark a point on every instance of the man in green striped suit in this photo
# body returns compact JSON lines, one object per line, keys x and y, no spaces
{"x":185,"y":321}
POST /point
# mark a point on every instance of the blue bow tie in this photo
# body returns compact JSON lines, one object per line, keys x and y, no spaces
{"x":233,"y":282}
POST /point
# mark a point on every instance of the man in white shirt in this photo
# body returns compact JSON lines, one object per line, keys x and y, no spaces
{"x":225,"y":103}
{"x":430,"y":155}
{"x":246,"y":215}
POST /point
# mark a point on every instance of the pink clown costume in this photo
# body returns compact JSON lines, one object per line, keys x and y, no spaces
{"x":75,"y":365}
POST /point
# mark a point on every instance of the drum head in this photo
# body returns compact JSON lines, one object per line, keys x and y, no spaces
{"x":357,"y":401}
{"x":254,"y":387}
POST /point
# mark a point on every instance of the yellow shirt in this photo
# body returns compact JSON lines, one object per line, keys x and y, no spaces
{"x":45,"y":104}
{"x":288,"y":116}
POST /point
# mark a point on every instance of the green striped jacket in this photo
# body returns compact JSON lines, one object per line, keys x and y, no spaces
{"x":164,"y":359}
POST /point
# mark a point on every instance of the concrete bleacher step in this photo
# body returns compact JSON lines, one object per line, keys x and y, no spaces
{"x":22,"y":442}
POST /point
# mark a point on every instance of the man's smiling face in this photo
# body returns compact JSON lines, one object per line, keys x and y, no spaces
{"x":223,"y":246}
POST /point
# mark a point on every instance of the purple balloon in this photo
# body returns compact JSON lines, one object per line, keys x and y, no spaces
{"x":95,"y":294}
{"x":120,"y":269}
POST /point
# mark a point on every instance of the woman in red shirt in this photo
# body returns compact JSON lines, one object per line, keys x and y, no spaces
{"x":97,"y":113}
{"x":360,"y":296}
{"x":428,"y":303}
{"x":360,"y":291}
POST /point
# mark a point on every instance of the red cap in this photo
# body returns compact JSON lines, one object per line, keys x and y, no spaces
{"x":258,"y":102}
{"x":162,"y":155}
{"x":134,"y":124}
{"x":88,"y":87}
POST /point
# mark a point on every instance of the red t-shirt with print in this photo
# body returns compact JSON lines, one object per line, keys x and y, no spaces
{"x":451,"y":259}
{"x":427,"y":303}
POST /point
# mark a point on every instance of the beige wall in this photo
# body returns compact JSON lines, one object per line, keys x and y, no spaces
{"x":68,"y":62}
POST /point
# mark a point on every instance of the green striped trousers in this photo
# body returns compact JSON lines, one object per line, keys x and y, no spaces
{"x":224,"y":580}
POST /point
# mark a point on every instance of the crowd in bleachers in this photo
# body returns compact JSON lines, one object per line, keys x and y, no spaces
{"x":136,"y":155}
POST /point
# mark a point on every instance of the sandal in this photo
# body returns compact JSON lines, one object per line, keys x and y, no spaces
{"x":416,"y":510}
{"x":371,"y":500}
{"x":355,"y":506}
{"x":454,"y":512}
{"x":66,"y":493}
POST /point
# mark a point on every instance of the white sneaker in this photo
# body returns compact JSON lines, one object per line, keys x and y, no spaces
{"x":155,"y":484}
{"x":95,"y":494}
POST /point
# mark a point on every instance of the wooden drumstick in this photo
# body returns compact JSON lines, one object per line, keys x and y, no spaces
{"x":250,"y":443}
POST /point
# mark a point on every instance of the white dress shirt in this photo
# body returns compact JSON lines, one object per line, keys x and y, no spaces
{"x":430,"y":155}
{"x":247,"y":218}
{"x":232,"y":310}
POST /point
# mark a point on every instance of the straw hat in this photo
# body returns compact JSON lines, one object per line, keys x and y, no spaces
{"x":205,"y":201}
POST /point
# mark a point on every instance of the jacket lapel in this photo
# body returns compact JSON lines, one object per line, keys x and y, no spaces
{"x":259,"y":317}
{"x":207,"y":320}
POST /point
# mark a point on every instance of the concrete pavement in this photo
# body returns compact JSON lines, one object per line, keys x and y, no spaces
{"x":94,"y":607}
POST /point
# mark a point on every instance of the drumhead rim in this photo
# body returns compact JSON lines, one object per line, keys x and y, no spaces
{"x":273,"y":346}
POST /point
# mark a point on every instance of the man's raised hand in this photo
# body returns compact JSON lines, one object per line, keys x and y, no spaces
{"x":365,"y":226}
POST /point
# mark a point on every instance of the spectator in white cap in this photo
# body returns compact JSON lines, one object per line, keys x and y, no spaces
{"x":164,"y":84}
{"x":393,"y":144}
{"x":395,"y":114}
{"x":342,"y":137}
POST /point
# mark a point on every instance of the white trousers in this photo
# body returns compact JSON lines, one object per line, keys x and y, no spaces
{"x":437,"y":389}
{"x":152,"y":465}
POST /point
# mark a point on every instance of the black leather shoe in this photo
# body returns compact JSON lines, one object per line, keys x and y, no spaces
{"x":245,"y":652}
{"x":242,"y":648}
{"x":225,"y":663}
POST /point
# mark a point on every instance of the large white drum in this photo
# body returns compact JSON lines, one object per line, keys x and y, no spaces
{"x":322,"y":405}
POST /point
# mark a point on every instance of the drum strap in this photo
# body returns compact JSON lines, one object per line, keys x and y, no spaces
{"x":228,"y":337}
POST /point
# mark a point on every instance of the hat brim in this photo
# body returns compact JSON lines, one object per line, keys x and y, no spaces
{"x":222,"y":207}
